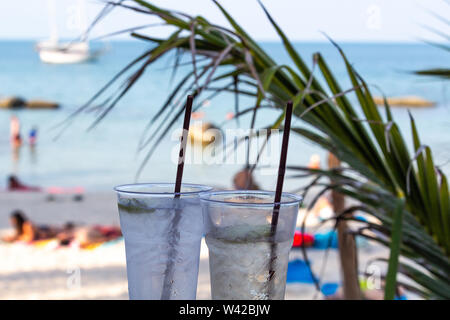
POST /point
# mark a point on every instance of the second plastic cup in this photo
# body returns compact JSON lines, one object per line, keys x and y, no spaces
{"x":247,"y":261}
{"x":162,"y":232}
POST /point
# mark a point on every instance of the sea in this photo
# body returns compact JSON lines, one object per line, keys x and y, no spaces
{"x":109,"y":154}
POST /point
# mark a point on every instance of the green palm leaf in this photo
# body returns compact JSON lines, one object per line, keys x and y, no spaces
{"x":382,"y":170}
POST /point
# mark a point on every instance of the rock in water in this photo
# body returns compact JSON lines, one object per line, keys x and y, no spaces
{"x":407,"y":101}
{"x":41,"y":104}
{"x":12,"y":103}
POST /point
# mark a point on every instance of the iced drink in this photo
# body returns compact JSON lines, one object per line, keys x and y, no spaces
{"x":241,"y":244}
{"x":162,"y":239}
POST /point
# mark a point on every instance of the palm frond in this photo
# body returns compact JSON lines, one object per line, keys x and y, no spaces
{"x":383,"y":170}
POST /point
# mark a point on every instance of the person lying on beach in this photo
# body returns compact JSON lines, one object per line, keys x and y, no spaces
{"x":25,"y":230}
{"x":15,"y":185}
{"x":86,"y":235}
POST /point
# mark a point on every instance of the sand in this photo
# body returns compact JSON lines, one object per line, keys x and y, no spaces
{"x":29,"y":272}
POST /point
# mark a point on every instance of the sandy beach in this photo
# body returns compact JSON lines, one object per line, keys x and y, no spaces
{"x":48,"y":272}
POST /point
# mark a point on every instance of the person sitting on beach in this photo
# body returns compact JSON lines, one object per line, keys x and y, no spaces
{"x":15,"y":185}
{"x":86,"y":235}
{"x":25,"y":230}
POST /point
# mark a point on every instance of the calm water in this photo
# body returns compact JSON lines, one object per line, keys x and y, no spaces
{"x":107,"y":155}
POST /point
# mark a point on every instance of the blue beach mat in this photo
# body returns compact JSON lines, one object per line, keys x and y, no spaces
{"x":329,"y":240}
{"x":326,"y":240}
{"x":298,"y":271}
{"x":329,"y":288}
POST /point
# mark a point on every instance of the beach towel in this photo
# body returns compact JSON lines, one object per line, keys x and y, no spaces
{"x":93,"y":246}
{"x":54,"y":243}
{"x":298,"y":272}
{"x":299,"y":238}
{"x":329,"y":288}
{"x":45,"y":244}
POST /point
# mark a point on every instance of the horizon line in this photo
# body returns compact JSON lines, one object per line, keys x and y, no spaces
{"x":362,"y":41}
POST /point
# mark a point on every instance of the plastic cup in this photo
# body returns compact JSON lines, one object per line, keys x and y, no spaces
{"x":241,"y":244}
{"x":162,"y":235}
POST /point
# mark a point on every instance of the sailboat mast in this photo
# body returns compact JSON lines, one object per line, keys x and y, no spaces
{"x":51,"y":6}
{"x":82,"y":7}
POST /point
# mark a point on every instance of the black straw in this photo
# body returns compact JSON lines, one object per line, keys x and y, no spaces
{"x":281,"y":167}
{"x":278,"y":193}
{"x":181,"y":156}
{"x":173,"y":239}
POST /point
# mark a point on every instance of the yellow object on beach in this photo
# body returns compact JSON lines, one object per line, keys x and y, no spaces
{"x":92,"y":246}
{"x":43,"y":243}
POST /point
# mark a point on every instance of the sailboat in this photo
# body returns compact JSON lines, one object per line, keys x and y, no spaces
{"x":55,"y":51}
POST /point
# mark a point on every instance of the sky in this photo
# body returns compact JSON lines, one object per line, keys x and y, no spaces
{"x":302,"y":20}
